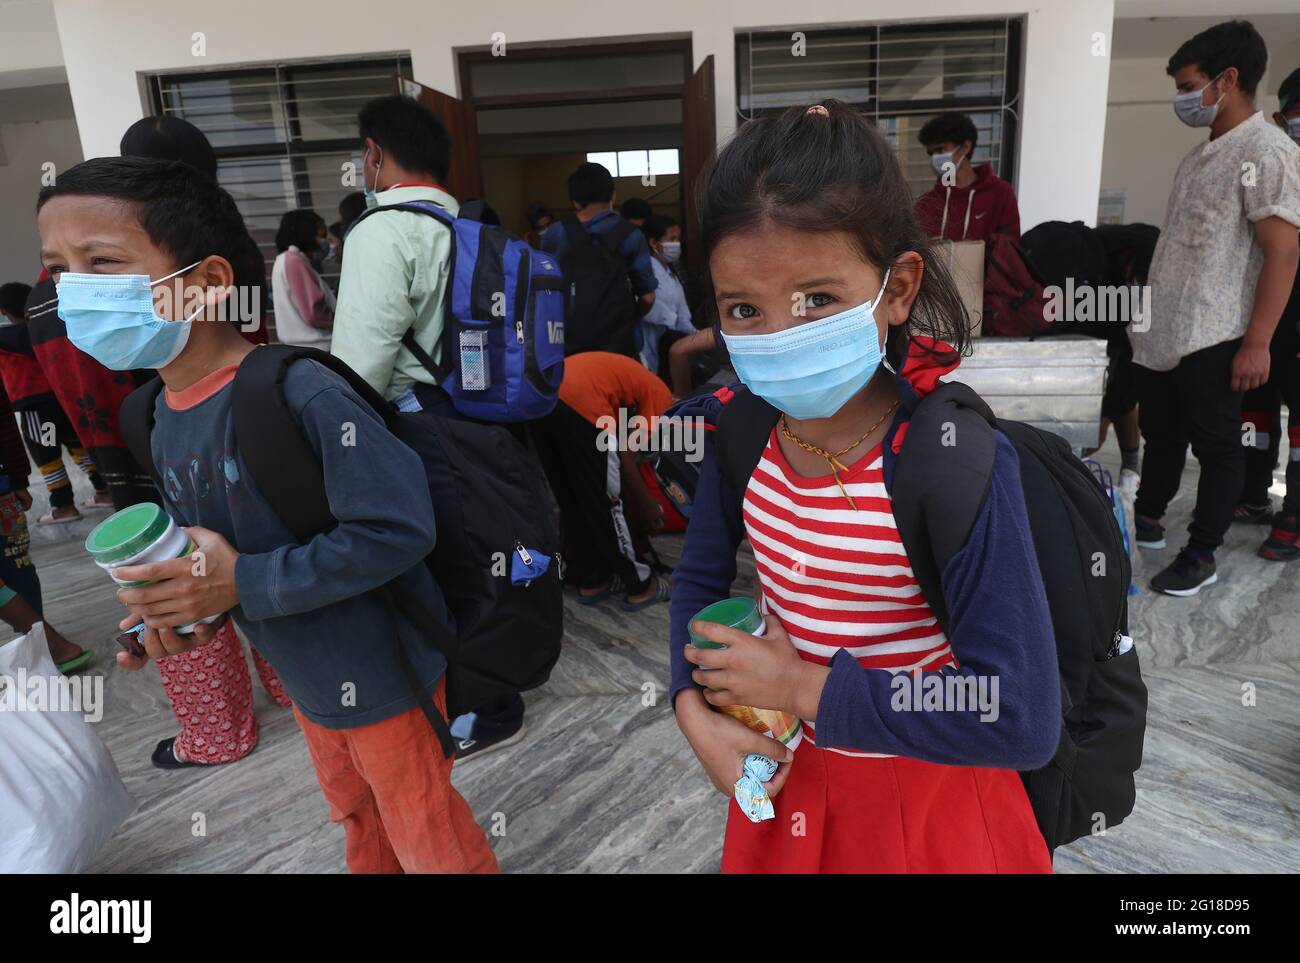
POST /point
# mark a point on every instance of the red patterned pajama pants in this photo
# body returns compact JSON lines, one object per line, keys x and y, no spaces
{"x":212,"y":695}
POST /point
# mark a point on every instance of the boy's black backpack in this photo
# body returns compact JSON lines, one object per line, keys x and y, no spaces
{"x":937,"y":493}
{"x":489,"y":502}
{"x":602,"y":309}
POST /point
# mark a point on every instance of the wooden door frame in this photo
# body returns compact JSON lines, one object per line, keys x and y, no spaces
{"x":699,"y":145}
{"x":465,"y":173}
{"x":466,"y":59}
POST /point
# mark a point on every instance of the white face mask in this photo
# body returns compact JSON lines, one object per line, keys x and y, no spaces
{"x":1192,"y":112}
{"x":1293,"y":129}
{"x":671,"y":251}
{"x":940,"y":161}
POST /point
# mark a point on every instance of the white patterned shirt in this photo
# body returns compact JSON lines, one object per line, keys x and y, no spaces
{"x":1207,"y":261}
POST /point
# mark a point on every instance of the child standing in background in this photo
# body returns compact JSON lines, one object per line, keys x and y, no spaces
{"x":21,"y":605}
{"x":46,"y":430}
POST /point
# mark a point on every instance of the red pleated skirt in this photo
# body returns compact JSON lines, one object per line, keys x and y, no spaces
{"x":844,"y":814}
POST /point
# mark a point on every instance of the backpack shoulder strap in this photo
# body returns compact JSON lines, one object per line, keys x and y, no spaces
{"x":744,"y":425}
{"x":439,"y":371}
{"x":282,"y":465}
{"x":436,"y":211}
{"x":940,"y":481}
{"x":575,"y":231}
{"x":616,"y":235}
{"x":136,"y":420}
{"x":289,"y":476}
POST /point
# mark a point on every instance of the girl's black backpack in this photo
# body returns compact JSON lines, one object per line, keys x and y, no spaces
{"x":489,"y":502}
{"x":937,"y":493}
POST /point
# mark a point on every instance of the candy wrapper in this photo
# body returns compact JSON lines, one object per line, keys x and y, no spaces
{"x":751,"y":797}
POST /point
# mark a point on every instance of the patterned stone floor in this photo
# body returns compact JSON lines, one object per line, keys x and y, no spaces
{"x":604,"y":783}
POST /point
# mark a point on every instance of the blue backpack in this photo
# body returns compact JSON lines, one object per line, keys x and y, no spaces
{"x":503,"y":341}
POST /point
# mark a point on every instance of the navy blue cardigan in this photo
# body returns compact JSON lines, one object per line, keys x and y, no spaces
{"x":1000,"y":627}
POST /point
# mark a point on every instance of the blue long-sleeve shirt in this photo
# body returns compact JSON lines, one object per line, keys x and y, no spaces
{"x":307,"y":606}
{"x":999,"y":626}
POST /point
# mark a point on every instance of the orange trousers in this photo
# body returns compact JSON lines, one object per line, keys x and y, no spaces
{"x":389,"y":784}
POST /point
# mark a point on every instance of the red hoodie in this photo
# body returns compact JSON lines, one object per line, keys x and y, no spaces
{"x":974,"y":212}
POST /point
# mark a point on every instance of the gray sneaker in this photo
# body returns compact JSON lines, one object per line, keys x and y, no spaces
{"x":1186,"y":576}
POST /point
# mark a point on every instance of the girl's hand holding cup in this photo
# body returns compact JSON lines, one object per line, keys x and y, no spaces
{"x":763,"y":671}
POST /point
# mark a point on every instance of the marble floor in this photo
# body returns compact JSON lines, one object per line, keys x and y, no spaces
{"x":603,"y":781}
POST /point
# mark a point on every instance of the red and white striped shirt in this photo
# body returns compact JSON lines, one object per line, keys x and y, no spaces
{"x":839,"y":578}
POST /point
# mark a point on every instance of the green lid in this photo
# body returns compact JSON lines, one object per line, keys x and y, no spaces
{"x":127,"y":533}
{"x":738,"y":613}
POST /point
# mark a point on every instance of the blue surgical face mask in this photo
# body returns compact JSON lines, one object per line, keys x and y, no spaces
{"x":1192,"y":112}
{"x":811,"y":370}
{"x":111,"y":318}
{"x":1293,"y":129}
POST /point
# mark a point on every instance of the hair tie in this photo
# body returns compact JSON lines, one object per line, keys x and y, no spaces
{"x":818,"y":109}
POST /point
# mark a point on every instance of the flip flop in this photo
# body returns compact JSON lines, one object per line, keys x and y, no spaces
{"x":94,"y":506}
{"x":49,"y":519}
{"x":615,"y":585}
{"x":164,"y":756}
{"x":662,"y":594}
{"x":76,"y":664}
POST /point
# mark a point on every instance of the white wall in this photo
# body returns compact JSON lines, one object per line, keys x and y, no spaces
{"x":36,"y":127}
{"x":30,"y":53}
{"x":1144,"y":140}
{"x":108,"y":45}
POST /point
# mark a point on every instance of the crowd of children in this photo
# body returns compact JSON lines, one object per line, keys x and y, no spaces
{"x":143,"y":252}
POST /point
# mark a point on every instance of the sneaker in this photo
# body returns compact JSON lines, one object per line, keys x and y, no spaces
{"x":485,"y":739}
{"x":1253,"y":514}
{"x":1283,"y":542}
{"x":1186,"y":576}
{"x":1149,"y":534}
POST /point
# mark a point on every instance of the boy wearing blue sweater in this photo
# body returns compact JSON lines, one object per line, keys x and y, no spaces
{"x":142,"y":251}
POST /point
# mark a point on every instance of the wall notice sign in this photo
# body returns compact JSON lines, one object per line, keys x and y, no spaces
{"x":1110,"y":208}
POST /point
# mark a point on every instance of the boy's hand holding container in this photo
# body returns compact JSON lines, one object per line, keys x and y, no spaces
{"x":173,"y":579}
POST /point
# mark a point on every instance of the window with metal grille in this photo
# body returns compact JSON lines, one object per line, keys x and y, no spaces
{"x":282,"y":133}
{"x":902,"y":74}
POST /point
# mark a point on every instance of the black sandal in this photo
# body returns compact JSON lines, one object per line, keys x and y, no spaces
{"x":164,"y":756}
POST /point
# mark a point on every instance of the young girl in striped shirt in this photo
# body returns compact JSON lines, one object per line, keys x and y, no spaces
{"x":835,"y":312}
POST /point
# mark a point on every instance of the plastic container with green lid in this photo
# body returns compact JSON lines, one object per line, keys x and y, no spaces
{"x":136,"y":536}
{"x":745,"y":615}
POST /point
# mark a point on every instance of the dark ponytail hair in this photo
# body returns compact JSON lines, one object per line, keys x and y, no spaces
{"x":827,"y":171}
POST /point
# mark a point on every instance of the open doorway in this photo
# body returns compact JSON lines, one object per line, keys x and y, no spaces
{"x":524,"y":122}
